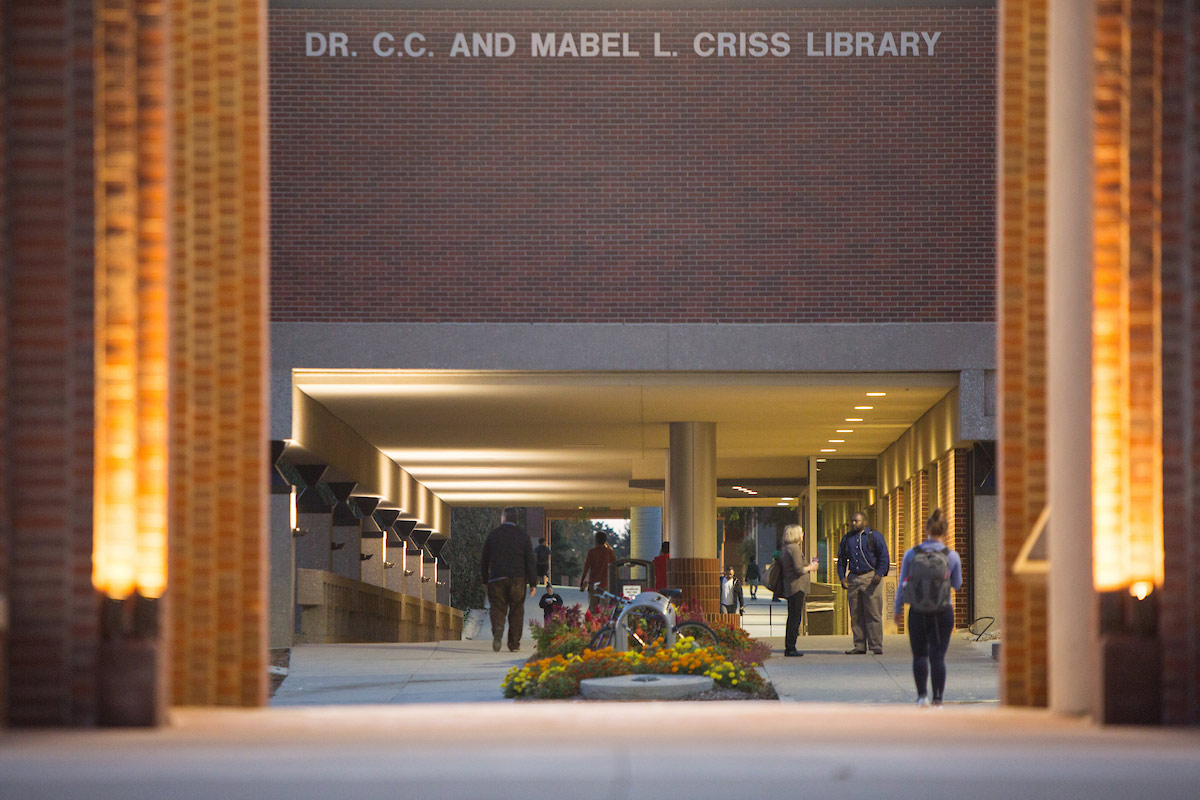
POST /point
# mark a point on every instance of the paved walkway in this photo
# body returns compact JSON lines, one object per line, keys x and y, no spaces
{"x":468,"y":671}
{"x":427,"y":721}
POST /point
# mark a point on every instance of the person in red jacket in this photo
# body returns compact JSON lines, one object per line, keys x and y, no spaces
{"x":594,"y":579}
{"x":660,"y":567}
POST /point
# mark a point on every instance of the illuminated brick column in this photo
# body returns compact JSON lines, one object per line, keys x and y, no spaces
{"x":1127,"y":422}
{"x":953,"y":488}
{"x":129,"y":563}
{"x":898,"y":519}
{"x":218,"y":556}
{"x":1022,"y":336}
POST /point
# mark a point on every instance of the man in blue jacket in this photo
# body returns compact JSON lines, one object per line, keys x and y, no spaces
{"x":862,"y":563}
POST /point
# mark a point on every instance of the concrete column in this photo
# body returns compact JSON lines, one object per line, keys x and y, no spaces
{"x":1071,"y":614}
{"x":412,"y":571}
{"x":645,"y":532}
{"x":692,"y":490}
{"x":312,"y":549}
{"x":429,"y":578}
{"x":692,"y":515}
{"x":282,"y":587}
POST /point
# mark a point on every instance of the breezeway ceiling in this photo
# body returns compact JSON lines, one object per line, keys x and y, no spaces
{"x":578,"y":439}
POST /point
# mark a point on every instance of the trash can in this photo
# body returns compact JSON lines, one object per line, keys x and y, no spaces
{"x":621,"y":577}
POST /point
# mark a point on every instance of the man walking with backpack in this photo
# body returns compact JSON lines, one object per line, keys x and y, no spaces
{"x":863,"y":562}
{"x":927,"y":574}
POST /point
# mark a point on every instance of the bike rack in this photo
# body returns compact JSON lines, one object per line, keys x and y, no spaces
{"x":655,"y":603}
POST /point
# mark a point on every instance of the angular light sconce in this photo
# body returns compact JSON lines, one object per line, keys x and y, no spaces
{"x":366,"y":506}
{"x":344,"y":514}
{"x":279,"y":483}
{"x":310,"y":499}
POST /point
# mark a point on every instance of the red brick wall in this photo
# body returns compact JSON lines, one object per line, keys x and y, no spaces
{"x":49,"y":353}
{"x":1179,"y":599}
{"x":795,"y":189}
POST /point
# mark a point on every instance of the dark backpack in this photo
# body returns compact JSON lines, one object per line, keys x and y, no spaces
{"x":927,"y":588}
{"x":774,"y":580}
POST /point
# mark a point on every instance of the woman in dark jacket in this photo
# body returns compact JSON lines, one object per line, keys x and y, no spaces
{"x":797,"y":580}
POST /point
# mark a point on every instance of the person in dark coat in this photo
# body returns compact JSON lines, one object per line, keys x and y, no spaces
{"x":507,"y":568}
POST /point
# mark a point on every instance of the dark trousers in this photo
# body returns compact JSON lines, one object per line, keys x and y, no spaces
{"x":929,"y":636}
{"x":792,"y":630}
{"x":506,"y":598}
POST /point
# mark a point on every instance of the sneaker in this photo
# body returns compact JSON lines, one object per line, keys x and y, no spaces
{"x":512,"y":648}
{"x":496,"y":644}
{"x":791,"y":653}
{"x":937,"y":703}
{"x":922,"y":702}
{"x":878,"y":652}
{"x":856,"y":652}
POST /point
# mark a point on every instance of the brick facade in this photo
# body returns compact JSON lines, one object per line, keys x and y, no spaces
{"x":688,"y":189}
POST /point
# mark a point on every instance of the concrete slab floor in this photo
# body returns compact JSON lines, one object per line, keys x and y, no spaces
{"x":604,"y":751}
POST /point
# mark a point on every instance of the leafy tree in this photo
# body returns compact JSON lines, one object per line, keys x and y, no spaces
{"x":469,"y":528}
{"x":570,"y":540}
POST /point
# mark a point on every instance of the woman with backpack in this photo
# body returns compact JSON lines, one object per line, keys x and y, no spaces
{"x":927,"y":574}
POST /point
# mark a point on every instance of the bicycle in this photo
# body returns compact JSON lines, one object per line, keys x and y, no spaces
{"x":644,"y":620}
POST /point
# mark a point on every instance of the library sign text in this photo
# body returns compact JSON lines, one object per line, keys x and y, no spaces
{"x":618,"y":44}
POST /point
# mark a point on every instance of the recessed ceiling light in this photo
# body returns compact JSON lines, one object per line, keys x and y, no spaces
{"x":787,"y":498}
{"x":844,"y":430}
{"x":863,"y":408}
{"x":820,"y":461}
{"x":876,"y":394}
{"x":828,"y":450}
{"x":837,"y":441}
{"x":853,"y":419}
{"x":781,"y":504}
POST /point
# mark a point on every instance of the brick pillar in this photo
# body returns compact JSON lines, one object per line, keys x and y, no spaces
{"x":1180,"y":180}
{"x":219,"y":224}
{"x":5,"y":518}
{"x":952,"y":477}
{"x":48,"y":256}
{"x":1022,"y":335}
{"x":898,"y":508}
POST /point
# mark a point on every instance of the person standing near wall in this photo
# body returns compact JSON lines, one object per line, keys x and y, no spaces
{"x":506,"y":567}
{"x":862,"y":564}
{"x":927,"y":574}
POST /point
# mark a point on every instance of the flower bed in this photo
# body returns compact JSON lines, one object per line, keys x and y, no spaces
{"x":559,"y":675}
{"x":561,"y":658}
